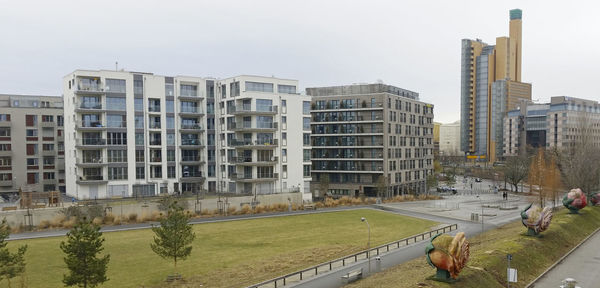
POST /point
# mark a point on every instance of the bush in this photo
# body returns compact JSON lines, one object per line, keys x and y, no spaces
{"x":109,"y":219}
{"x":356,"y":201}
{"x":231,"y":210}
{"x":319,"y":205}
{"x":165,"y":203}
{"x":117,"y":221}
{"x":44,"y":224}
{"x":156,"y":216}
{"x":206,"y":212}
{"x":70,"y":223}
{"x":245,"y":209}
{"x":133,"y":217}
{"x":97,"y":221}
{"x":259,"y":209}
{"x":57,"y":220}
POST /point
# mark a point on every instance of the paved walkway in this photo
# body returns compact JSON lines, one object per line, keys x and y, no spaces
{"x":582,"y":265}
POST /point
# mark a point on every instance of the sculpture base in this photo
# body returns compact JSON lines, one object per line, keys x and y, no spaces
{"x":442,"y":276}
{"x":574,"y":211}
{"x":531,"y":232}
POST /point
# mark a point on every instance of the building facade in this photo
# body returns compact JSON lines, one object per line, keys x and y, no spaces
{"x":31,"y":144}
{"x":450,"y":139}
{"x":556,"y":124}
{"x":490,"y":86}
{"x":136,"y":134}
{"x":361,"y":133}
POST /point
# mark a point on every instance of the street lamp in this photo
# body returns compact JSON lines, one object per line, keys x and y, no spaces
{"x":363,"y":219}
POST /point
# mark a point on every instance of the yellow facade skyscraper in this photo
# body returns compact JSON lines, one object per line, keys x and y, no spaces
{"x":490,"y":86}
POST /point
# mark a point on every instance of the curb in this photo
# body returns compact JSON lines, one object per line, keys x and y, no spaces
{"x":531,"y":284}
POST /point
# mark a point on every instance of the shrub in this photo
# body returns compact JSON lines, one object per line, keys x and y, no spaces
{"x":245,"y":209}
{"x":231,"y":210}
{"x":117,"y":220}
{"x":156,"y":216}
{"x":205,"y":212}
{"x":165,"y":203}
{"x":109,"y":218}
{"x":97,"y":221}
{"x":70,"y":223}
{"x":44,"y":224}
{"x":319,"y":205}
{"x":259,"y":209}
{"x":133,"y":217}
{"x":57,"y":220}
{"x":370,"y":200}
{"x":345,"y":200}
{"x":356,"y":201}
{"x":145,"y":218}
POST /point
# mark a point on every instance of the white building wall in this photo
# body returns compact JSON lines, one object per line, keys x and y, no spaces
{"x":450,"y":139}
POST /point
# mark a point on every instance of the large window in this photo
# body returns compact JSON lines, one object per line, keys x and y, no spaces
{"x":139,"y":139}
{"x":170,"y":171}
{"x":306,"y":170}
{"x":264,"y":105}
{"x":138,"y":87}
{"x":117,"y":156}
{"x":171,"y":139}
{"x":259,"y":87}
{"x":140,"y":172}
{"x":139,"y":122}
{"x":306,"y":107}
{"x":188,"y":90}
{"x":116,"y":138}
{"x":170,"y":122}
{"x":117,"y":173}
{"x":114,"y":103}
{"x":116,"y":121}
{"x":170,"y":106}
{"x":289,"y":89}
{"x":306,"y":123}
{"x":189,"y":107}
{"x":139,"y":156}
{"x":306,"y":157}
{"x":115,"y":85}
{"x":138,"y":104}
{"x":306,"y":139}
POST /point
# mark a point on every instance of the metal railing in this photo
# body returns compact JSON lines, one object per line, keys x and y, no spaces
{"x":282,"y":281}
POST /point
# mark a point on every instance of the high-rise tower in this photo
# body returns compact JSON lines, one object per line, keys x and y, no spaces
{"x":490,"y":86}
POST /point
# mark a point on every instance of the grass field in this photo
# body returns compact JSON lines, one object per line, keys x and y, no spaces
{"x":487,"y":266}
{"x":229,"y":254}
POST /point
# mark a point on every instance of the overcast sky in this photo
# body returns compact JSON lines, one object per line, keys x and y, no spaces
{"x":411,"y":44}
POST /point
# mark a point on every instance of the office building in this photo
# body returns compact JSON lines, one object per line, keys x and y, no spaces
{"x":490,"y":86}
{"x":558,"y":124}
{"x":140,"y":134}
{"x":31,"y":144}
{"x":366,"y":131}
{"x":450,"y":139}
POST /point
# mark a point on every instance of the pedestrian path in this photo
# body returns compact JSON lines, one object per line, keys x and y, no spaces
{"x":583,"y":265}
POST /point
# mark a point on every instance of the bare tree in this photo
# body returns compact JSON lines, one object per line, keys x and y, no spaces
{"x":516,"y":170}
{"x":578,"y":160}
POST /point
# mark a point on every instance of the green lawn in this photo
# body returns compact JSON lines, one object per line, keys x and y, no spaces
{"x":487,"y":266}
{"x":230,"y":254}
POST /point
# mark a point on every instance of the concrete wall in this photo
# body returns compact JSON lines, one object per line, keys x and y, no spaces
{"x":17,"y":218}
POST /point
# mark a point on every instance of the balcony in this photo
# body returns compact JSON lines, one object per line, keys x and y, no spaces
{"x":154,"y":125}
{"x":256,"y":144}
{"x":95,"y":88}
{"x":191,"y":143}
{"x":48,"y":124}
{"x":90,"y":125}
{"x":191,"y":96}
{"x":154,"y":109}
{"x":254,"y":127}
{"x":5,"y":152}
{"x":48,"y":152}
{"x":90,"y":162}
{"x":191,"y":177}
{"x":91,"y":180}
{"x":261,"y":177}
{"x":155,"y":159}
{"x":247,"y":161}
{"x":49,"y":181}
{"x":91,"y":142}
{"x":155,"y":142}
{"x":187,"y":111}
{"x":5,"y":123}
{"x":190,"y":160}
{"x":192,"y":127}
{"x":6,"y":183}
{"x":88,"y":107}
{"x":247,"y":110}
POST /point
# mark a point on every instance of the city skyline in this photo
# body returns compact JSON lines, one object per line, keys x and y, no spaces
{"x":206,"y":40}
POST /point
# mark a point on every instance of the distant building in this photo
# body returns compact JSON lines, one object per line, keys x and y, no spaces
{"x":31,"y":143}
{"x":363,"y":132}
{"x":490,"y":86}
{"x":555,"y":124}
{"x":436,"y":139}
{"x":450,"y":139}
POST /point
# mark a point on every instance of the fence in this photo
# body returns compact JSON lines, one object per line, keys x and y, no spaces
{"x":342,"y":262}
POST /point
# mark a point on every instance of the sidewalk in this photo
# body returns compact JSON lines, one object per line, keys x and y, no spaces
{"x":582,"y":265}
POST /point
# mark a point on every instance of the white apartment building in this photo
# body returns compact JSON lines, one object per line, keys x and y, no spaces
{"x":450,"y":139}
{"x":139,"y":134}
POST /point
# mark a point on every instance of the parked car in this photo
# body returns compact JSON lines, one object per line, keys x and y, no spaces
{"x":477,"y":179}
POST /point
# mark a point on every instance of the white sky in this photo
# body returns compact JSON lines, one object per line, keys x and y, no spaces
{"x":411,"y":44}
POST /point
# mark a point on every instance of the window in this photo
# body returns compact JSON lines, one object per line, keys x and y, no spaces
{"x":171,"y":139}
{"x":188,"y":90}
{"x":49,"y":175}
{"x":306,"y":107}
{"x":170,"y":122}
{"x":139,"y":139}
{"x":33,"y":178}
{"x":116,"y":138}
{"x":306,"y":139}
{"x":31,"y":120}
{"x":48,"y":147}
{"x":170,"y":171}
{"x":284,"y":171}
{"x":47,"y":118}
{"x":283,"y":119}
{"x":170,"y":106}
{"x":31,"y":132}
{"x":189,"y":107}
{"x":32,"y":149}
{"x":32,"y":161}
{"x":169,"y":88}
{"x":259,"y":87}
{"x":139,"y":156}
{"x":288,"y":89}
{"x":115,"y":85}
{"x":60,"y":121}
{"x":306,"y":155}
{"x":306,"y":123}
{"x":114,"y":103}
{"x":306,"y":170}
{"x":138,"y":87}
{"x":264,"y":105}
{"x":139,"y":122}
{"x":138,"y":104}
{"x":4,"y":117}
{"x":117,"y":156}
{"x":140,"y":172}
{"x":117,"y":173}
{"x":171,"y":155}
{"x":116,"y":121}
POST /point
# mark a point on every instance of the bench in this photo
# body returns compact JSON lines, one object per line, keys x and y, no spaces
{"x":352,"y":276}
{"x":310,"y":207}
{"x":9,"y":208}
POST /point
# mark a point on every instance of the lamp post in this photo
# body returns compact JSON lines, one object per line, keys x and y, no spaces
{"x":363,"y":219}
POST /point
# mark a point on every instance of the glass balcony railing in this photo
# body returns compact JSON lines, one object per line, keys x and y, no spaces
{"x":91,"y":141}
{"x":194,"y":126}
{"x":90,"y":105}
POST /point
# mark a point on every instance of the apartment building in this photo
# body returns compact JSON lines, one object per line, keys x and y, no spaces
{"x":450,"y":139}
{"x":490,"y":87}
{"x":31,"y":144}
{"x":363,"y":132}
{"x":183,"y":134}
{"x":559,"y":124}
